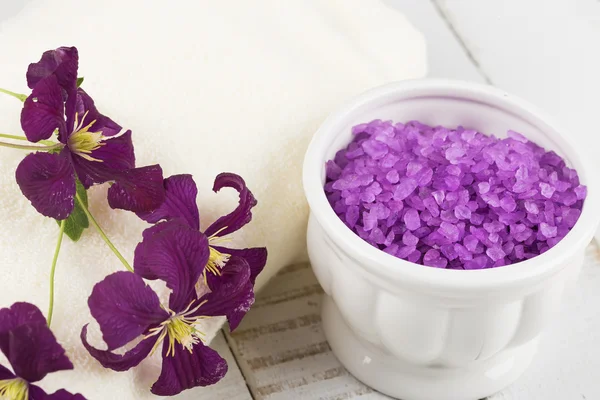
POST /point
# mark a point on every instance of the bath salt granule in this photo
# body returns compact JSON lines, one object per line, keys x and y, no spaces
{"x":452,"y":198}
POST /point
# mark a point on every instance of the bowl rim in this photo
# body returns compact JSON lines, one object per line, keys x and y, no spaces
{"x":392,"y":269}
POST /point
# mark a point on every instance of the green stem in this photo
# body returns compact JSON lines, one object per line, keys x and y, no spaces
{"x":19,"y":96}
{"x":53,"y":269}
{"x":31,"y":147}
{"x":15,"y":137}
{"x":103,"y":235}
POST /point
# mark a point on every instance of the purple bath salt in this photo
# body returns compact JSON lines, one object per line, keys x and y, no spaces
{"x":452,"y":198}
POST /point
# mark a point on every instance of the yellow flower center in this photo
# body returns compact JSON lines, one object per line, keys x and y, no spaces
{"x":179,"y":329}
{"x":82,"y":142}
{"x":216,"y":259}
{"x":14,"y":389}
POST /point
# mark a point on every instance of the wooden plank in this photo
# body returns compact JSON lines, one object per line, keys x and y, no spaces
{"x":544,"y":51}
{"x":447,"y":57}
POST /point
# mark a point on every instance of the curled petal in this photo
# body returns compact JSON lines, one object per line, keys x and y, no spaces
{"x":256,"y":258}
{"x":185,"y":370}
{"x":43,"y":111}
{"x":62,"y":63}
{"x":119,"y":362}
{"x":48,"y":182}
{"x":175,"y":254}
{"x":138,"y":190}
{"x":33,"y":352}
{"x":242,"y":214}
{"x":37,"y":393}
{"x":125,"y":307}
{"x":232,"y":293}
{"x":180,"y":202}
{"x":114,"y":157}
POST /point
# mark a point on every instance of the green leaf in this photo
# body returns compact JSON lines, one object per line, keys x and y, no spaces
{"x":80,"y":81}
{"x":77,"y":221}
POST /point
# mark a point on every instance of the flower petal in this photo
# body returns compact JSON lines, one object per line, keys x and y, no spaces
{"x":119,"y":362}
{"x":256,"y":258}
{"x":33,"y":351}
{"x":62,"y":63}
{"x":180,"y":202}
{"x":175,"y":254}
{"x":5,"y":373}
{"x":116,"y":155}
{"x":125,"y":308}
{"x":37,"y":393}
{"x":85,"y":106}
{"x":138,"y":190}
{"x":232,"y":294}
{"x":185,"y":370}
{"x":242,"y":214}
{"x":20,"y":314}
{"x":43,"y":111}
{"x":48,"y":182}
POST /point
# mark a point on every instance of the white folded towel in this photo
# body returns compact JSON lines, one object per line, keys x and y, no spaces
{"x":206,"y":86}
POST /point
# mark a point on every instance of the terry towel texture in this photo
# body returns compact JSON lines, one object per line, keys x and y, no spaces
{"x":205,"y":86}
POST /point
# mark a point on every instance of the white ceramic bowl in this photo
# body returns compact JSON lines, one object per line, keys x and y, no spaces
{"x":420,"y":333}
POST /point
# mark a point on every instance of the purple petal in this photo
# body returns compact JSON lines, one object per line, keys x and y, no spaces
{"x":162,"y":226}
{"x":138,"y":190}
{"x":62,"y":63}
{"x":5,"y":373}
{"x":125,"y":307}
{"x":180,"y":202}
{"x":85,"y":106}
{"x":119,"y":362}
{"x":20,"y":314}
{"x":37,"y":393}
{"x":48,"y":182}
{"x":70,"y":114}
{"x":175,"y":254}
{"x":33,"y":351}
{"x":255,"y":257}
{"x":43,"y":111}
{"x":242,"y":214}
{"x":185,"y":370}
{"x":116,"y":156}
{"x":231,"y":294}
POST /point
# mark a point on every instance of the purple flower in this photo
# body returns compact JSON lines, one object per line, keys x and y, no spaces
{"x":33,"y":353}
{"x":127,"y":309}
{"x":93,"y":149}
{"x":180,"y":205}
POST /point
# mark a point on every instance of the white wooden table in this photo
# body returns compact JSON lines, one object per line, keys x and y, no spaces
{"x":547,"y":51}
